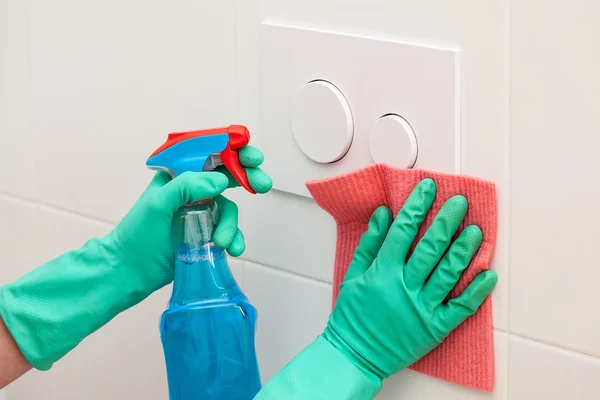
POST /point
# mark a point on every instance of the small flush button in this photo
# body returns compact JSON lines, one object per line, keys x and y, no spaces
{"x":393,"y":142}
{"x":322,"y":122}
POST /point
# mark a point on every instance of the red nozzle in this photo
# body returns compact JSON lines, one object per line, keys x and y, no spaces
{"x":239,"y":136}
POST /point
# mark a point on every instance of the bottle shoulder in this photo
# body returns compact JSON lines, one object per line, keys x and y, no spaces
{"x":239,"y":301}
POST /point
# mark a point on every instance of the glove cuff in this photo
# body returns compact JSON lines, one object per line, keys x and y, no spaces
{"x":320,"y":371}
{"x":53,"y":308}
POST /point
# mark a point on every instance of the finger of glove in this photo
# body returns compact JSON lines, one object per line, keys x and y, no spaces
{"x":259,"y":180}
{"x":435,"y":242}
{"x":404,"y":229}
{"x":227,"y":227}
{"x":238,"y":245}
{"x":370,"y":243}
{"x":446,"y":275}
{"x":160,"y":179}
{"x":250,"y":157}
{"x":459,"y":309}
{"x":189,"y":187}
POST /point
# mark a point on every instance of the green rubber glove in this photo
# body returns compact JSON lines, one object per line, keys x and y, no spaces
{"x":390,"y":311}
{"x":250,"y":158}
{"x":51,"y":309}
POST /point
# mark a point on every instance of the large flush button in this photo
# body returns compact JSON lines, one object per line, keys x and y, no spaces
{"x":393,"y":142}
{"x":322,"y":122}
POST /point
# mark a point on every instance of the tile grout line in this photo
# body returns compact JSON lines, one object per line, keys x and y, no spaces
{"x":236,"y":68}
{"x":42,"y":205}
{"x":31,"y":102}
{"x":507,"y":180}
{"x":554,"y":346}
{"x":245,"y":261}
{"x":497,"y":330}
{"x":507,"y":158}
{"x":285,"y":272}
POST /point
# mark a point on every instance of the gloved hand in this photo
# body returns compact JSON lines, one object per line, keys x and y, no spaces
{"x":144,"y":234}
{"x":51,"y":309}
{"x":390,"y":311}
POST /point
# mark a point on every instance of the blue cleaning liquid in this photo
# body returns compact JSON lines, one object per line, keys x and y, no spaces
{"x":208,"y":329}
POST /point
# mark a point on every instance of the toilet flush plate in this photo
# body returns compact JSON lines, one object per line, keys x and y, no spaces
{"x":331,"y":102}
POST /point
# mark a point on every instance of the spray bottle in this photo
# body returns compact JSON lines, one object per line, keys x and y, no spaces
{"x":208,"y":329}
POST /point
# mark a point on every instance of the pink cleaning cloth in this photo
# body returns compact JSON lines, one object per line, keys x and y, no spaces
{"x":466,"y":356}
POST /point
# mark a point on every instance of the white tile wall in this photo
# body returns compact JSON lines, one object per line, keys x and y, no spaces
{"x":17,"y":162}
{"x":539,"y":371}
{"x":292,"y":312}
{"x":247,"y":21}
{"x":289,"y":232}
{"x":89,"y":89}
{"x":19,"y":238}
{"x":110,"y":80}
{"x":555,"y":122}
{"x":74,"y":231}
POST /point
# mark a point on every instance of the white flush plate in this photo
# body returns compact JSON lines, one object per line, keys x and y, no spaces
{"x":376,"y":77}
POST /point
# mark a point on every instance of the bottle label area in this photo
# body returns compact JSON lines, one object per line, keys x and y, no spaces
{"x":207,"y":253}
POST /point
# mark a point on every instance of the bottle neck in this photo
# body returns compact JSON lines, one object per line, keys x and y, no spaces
{"x":201,"y":270}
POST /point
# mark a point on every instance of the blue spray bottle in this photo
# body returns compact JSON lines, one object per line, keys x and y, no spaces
{"x":208,"y":329}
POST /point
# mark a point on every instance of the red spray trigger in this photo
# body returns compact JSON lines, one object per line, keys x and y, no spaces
{"x":238,"y":138}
